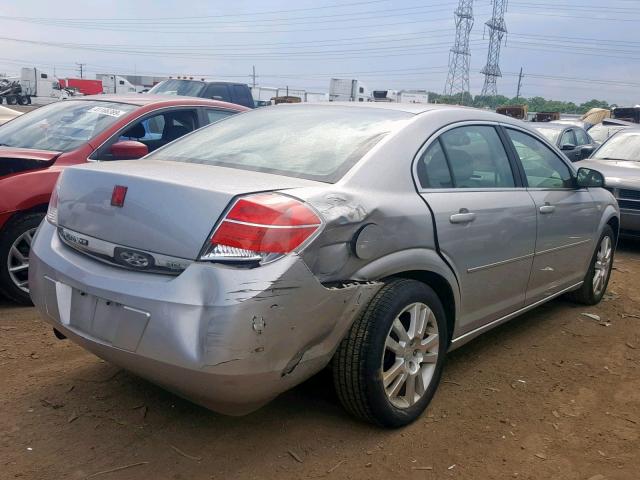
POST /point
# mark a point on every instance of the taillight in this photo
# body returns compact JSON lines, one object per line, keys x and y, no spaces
{"x":52,"y":211}
{"x":261,"y":228}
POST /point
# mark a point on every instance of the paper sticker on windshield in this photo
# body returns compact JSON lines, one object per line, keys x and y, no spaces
{"x":112,"y":112}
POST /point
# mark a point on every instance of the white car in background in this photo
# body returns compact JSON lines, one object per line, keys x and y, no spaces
{"x":7,"y":114}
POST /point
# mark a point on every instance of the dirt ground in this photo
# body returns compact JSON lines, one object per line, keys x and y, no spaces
{"x":551,"y":395}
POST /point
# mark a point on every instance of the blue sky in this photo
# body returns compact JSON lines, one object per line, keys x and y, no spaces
{"x":588,"y":46}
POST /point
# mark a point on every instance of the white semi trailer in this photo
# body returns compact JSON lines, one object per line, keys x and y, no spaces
{"x":348,"y":90}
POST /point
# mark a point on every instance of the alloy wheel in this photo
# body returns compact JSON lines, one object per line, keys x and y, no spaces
{"x":410,"y":355}
{"x":18,"y":260}
{"x":602,"y":265}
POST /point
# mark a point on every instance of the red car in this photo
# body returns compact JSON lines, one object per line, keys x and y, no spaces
{"x":35,"y":147}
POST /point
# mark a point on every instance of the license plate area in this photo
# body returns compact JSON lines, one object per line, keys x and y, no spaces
{"x":109,"y":322}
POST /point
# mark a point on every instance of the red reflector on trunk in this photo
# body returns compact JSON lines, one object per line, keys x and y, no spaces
{"x":118,"y":195}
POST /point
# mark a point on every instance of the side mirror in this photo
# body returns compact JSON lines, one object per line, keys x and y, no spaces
{"x":589,"y":178}
{"x":568,"y":146}
{"x":128,"y":150}
{"x":586,"y":151}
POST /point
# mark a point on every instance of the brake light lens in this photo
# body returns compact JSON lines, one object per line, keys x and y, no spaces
{"x":261,"y":228}
{"x":52,"y":210}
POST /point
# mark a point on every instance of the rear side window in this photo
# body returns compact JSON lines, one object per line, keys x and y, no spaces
{"x":466,"y":157}
{"x":307,"y":141}
{"x":542,"y":167}
{"x":433,"y":169}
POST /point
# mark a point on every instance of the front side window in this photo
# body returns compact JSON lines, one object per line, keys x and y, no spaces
{"x":542,"y":167}
{"x":62,"y":126}
{"x":154,"y":131}
{"x":622,"y":146}
{"x":581,"y":137}
{"x":307,"y":141}
{"x":568,"y":138}
{"x":217,"y":91}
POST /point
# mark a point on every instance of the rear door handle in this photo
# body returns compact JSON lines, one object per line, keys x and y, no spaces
{"x":465,"y":216}
{"x":547,"y":209}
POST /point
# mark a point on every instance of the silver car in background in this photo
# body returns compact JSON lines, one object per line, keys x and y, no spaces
{"x":618,"y":158}
{"x":236,"y":262}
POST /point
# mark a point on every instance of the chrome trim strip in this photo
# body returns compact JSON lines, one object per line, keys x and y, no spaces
{"x":497,"y":264}
{"x":462,"y":339}
{"x":104,"y":251}
{"x":562,"y":247}
{"x":239,"y":222}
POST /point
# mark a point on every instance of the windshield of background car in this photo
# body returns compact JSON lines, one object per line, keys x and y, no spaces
{"x":550,"y":134}
{"x":313,"y":142}
{"x":622,"y":146}
{"x":600,"y":133}
{"x":62,"y":126}
{"x":189,"y":88}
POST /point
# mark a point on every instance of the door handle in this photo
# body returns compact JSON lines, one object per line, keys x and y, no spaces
{"x":547,"y":208}
{"x":465,"y":216}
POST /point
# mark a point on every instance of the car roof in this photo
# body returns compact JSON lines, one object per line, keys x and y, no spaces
{"x":413,"y":108}
{"x":145,"y":99}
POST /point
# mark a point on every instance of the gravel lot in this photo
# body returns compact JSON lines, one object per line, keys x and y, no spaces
{"x":551,"y":395}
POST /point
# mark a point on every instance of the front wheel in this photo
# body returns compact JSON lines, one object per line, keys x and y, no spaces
{"x":387,"y":368}
{"x":597,"y":277}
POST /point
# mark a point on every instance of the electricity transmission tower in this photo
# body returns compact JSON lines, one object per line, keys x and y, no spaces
{"x":497,"y":29}
{"x":459,"y":55}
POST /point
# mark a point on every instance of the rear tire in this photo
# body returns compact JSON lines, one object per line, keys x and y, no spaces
{"x":12,"y":100}
{"x":387,"y":368}
{"x":17,"y":236}
{"x":599,"y":272}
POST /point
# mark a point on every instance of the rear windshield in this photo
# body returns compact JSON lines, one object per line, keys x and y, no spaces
{"x":550,"y":134}
{"x":600,"y":133}
{"x":62,"y":126}
{"x":313,"y":142}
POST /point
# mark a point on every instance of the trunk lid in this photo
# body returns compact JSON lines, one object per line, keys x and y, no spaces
{"x":170,"y":208}
{"x":16,"y":160}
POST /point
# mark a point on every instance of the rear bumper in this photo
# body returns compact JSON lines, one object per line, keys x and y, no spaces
{"x":229,"y":339}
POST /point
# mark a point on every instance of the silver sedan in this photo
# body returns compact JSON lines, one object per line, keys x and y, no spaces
{"x":236,"y":262}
